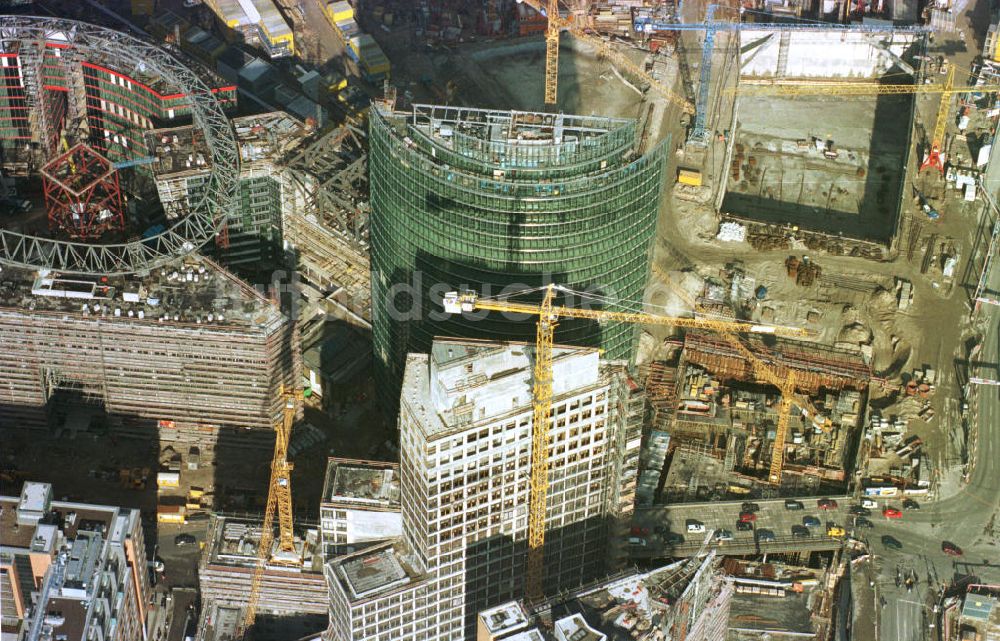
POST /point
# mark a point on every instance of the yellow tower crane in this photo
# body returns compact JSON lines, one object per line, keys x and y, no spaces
{"x":784,"y":380}
{"x":947,"y":89}
{"x":279,"y":499}
{"x":555,"y":24}
{"x":548,"y":318}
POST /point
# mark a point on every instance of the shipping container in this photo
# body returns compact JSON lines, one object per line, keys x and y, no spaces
{"x":170,"y":513}
{"x":689,"y":177}
{"x":168,"y":479}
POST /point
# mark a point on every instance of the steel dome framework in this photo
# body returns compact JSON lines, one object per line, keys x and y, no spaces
{"x":29,"y":35}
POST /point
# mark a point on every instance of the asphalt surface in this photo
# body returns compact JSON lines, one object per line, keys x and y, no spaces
{"x":772,"y":516}
{"x":967,"y":519}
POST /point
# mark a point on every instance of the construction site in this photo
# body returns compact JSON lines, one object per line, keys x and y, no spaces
{"x":771,"y":221}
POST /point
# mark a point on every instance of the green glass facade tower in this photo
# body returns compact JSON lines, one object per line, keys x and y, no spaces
{"x":485,"y":200}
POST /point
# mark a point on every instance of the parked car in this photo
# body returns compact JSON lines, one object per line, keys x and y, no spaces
{"x":743,"y":526}
{"x":950,"y":548}
{"x":826,"y":504}
{"x":862,"y":521}
{"x":810,"y":521}
{"x":792,"y":504}
{"x":892,"y":513}
{"x":723,"y":535}
{"x":184,"y":539}
{"x":910,"y":504}
{"x":891,"y":542}
{"x":800,"y":531}
{"x":763,"y":534}
{"x":869,"y":503}
{"x":748,"y":517}
{"x":695,"y":527}
{"x":860,"y":511}
{"x":750,"y":506}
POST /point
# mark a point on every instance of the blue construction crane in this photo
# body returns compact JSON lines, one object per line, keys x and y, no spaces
{"x":711,"y":25}
{"x":125,"y":164}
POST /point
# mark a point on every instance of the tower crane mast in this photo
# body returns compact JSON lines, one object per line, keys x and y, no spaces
{"x":548,"y":315}
{"x":279,"y":500}
{"x":555,"y":24}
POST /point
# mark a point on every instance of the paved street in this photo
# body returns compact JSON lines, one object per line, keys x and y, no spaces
{"x":772,"y":516}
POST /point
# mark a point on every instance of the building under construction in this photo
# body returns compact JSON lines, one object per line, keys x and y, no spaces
{"x":793,"y":170}
{"x":487,"y":200}
{"x":227,"y":567}
{"x":464,"y":533}
{"x":190,"y":350}
{"x":721,"y":423}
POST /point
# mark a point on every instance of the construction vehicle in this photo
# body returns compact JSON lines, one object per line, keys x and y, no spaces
{"x":556,"y":24}
{"x":548,"y":319}
{"x":279,"y":499}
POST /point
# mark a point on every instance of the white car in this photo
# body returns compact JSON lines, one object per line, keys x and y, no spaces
{"x":869,"y":503}
{"x":695,"y":527}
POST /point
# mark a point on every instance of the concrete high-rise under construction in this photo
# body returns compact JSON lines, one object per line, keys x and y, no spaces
{"x":465,"y":475}
{"x":487,"y":200}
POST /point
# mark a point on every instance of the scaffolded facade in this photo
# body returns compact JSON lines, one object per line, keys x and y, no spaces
{"x":487,"y":200}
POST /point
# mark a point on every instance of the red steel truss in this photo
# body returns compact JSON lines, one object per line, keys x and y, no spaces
{"x":82,"y":194}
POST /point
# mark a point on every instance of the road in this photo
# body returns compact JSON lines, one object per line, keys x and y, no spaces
{"x":724,"y":514}
{"x":967,"y":519}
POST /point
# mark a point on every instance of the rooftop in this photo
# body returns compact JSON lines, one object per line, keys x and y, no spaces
{"x":633,"y":605}
{"x":194,"y":293}
{"x":35,"y":498}
{"x":234,"y":541}
{"x":466,"y":381}
{"x":269,"y":136}
{"x":978,"y":607}
{"x":177,"y":151}
{"x":376,"y":569}
{"x":504,"y":618}
{"x":512,"y":145}
{"x":364,"y":483}
{"x":61,"y":517}
{"x":575,"y":628}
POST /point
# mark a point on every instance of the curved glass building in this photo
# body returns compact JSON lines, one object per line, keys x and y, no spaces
{"x":486,"y":200}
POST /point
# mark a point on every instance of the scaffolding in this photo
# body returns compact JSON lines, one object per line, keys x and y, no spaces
{"x":816,"y":366}
{"x":189,"y":349}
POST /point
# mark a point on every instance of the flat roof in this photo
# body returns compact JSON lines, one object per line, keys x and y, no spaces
{"x":35,"y":496}
{"x":505,"y":617}
{"x":978,"y":606}
{"x":193,"y":292}
{"x":371,"y":483}
{"x":372,"y":571}
{"x":576,"y":628}
{"x":467,"y":380}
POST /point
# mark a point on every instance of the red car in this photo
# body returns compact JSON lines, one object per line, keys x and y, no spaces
{"x":747,"y":517}
{"x":950,"y":548}
{"x":826,"y":504}
{"x":892,"y":513}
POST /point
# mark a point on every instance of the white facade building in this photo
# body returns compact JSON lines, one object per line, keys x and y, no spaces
{"x":465,"y":432}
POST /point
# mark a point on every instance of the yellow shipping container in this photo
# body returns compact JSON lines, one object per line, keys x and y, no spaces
{"x":689,"y":177}
{"x":339,"y":11}
{"x":170,"y":513}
